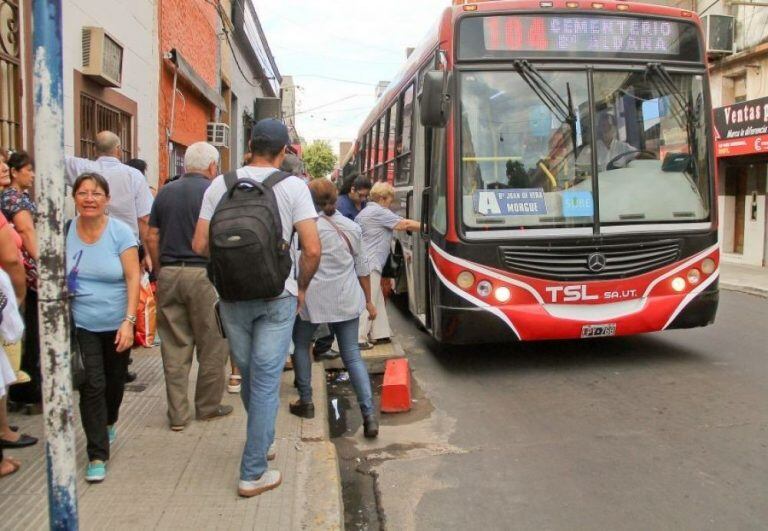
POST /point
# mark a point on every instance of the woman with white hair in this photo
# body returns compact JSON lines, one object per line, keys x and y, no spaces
{"x":379,"y":223}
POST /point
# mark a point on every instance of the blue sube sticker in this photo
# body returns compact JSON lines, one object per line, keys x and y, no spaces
{"x":511,"y":202}
{"x":577,"y":204}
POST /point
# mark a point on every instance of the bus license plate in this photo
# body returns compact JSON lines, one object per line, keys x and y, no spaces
{"x":601,"y":330}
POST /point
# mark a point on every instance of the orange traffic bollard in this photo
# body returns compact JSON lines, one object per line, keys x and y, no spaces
{"x":396,"y":390}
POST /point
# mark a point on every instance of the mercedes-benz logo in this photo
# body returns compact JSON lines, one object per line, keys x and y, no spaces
{"x":596,"y":262}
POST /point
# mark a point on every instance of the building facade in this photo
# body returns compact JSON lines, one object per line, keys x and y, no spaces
{"x":739,"y":85}
{"x":190,"y":78}
{"x":288,"y":96}
{"x":110,"y":60}
{"x":250,"y":78}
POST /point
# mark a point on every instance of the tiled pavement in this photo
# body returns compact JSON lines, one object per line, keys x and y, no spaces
{"x":159,"y":479}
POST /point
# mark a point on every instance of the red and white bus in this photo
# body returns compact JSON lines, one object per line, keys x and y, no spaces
{"x":487,"y":134}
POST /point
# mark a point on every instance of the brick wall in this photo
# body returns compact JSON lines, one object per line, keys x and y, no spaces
{"x":191,"y":27}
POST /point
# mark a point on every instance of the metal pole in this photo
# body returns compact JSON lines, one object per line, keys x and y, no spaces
{"x":53,"y":307}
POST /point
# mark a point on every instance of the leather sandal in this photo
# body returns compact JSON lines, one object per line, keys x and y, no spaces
{"x":23,"y":441}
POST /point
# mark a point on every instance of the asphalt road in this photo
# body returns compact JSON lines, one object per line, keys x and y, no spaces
{"x":663,"y":431}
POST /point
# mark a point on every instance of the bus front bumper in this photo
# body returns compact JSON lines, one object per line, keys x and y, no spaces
{"x":457,"y":322}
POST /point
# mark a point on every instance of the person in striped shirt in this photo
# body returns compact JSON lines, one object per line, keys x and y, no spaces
{"x":339,"y":293}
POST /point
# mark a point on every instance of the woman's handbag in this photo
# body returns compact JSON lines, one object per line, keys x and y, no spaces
{"x":13,"y":351}
{"x":76,"y":365}
{"x":146,"y":315}
{"x":11,"y":327}
{"x":392,"y":267}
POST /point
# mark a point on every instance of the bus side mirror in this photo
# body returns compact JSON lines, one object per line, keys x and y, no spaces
{"x":434,"y":99}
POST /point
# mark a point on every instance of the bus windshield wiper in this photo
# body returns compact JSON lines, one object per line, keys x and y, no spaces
{"x":547,"y":94}
{"x":658,"y":75}
{"x":664,"y":83}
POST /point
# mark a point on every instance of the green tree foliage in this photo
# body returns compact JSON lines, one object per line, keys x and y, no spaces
{"x":319,"y":158}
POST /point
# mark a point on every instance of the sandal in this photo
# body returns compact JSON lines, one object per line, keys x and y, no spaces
{"x":234,"y":387}
{"x":23,"y":441}
{"x":9,"y":466}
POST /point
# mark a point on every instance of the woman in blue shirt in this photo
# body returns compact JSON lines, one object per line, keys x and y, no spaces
{"x":103,"y":276}
{"x":353,"y":196}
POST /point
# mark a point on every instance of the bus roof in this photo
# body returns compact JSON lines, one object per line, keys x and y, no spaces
{"x":441,"y":32}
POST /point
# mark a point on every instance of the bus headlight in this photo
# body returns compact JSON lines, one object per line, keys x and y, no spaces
{"x":678,"y":284}
{"x":484,"y":288}
{"x":694,"y":276}
{"x":708,"y":266}
{"x":502,"y":294}
{"x":465,"y":280}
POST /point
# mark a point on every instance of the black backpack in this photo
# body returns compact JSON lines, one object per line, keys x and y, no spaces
{"x":249,"y":259}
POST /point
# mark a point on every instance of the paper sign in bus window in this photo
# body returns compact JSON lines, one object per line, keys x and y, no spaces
{"x":511,"y":202}
{"x":578,"y":204}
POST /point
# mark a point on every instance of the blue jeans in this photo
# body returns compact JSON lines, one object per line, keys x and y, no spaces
{"x":259,"y":334}
{"x":346,"y":333}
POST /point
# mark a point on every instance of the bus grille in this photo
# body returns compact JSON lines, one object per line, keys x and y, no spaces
{"x":572,"y":262}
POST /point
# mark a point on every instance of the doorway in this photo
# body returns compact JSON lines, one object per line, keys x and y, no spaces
{"x":736,"y":191}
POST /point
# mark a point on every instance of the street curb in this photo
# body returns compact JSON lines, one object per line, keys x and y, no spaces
{"x":319,"y":498}
{"x":375,"y":359}
{"x":317,"y":429}
{"x":749,"y":290}
{"x":319,"y":478}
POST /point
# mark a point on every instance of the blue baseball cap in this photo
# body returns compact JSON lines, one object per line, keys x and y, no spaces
{"x":275,"y":131}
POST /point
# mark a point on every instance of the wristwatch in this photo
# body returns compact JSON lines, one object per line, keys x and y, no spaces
{"x":130,"y":318}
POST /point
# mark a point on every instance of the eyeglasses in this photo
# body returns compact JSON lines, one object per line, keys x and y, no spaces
{"x":95,"y":195}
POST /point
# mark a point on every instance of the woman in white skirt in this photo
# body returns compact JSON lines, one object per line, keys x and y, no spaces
{"x":11,"y":330}
{"x":379,"y":223}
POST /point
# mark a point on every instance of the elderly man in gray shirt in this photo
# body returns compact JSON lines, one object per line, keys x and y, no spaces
{"x":130,"y":196}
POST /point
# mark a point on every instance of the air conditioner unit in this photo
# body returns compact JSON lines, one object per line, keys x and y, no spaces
{"x":267,"y":108}
{"x":719,"y":34}
{"x":102,"y":57}
{"x":218,"y":134}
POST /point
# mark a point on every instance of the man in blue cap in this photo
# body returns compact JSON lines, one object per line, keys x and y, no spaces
{"x":259,"y":330}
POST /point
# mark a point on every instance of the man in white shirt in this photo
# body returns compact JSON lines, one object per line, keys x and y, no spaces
{"x":259,"y":330}
{"x":130,"y":197}
{"x":609,"y":147}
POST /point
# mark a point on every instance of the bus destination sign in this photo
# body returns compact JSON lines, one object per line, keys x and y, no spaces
{"x":585,"y":34}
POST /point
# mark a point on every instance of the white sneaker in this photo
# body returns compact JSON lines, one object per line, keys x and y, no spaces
{"x":269,"y":480}
{"x":234,"y":389}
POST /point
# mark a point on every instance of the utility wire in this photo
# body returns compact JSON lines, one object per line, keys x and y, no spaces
{"x":220,"y":13}
{"x":710,"y":6}
{"x":325,"y":105}
{"x":339,"y":37}
{"x":354,"y":82}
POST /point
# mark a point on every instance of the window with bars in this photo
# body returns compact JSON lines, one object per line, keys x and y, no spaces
{"x":10,"y":76}
{"x":96,"y":116}
{"x":177,"y":159}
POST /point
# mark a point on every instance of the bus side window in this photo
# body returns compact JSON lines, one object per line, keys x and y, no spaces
{"x":403,"y":142}
{"x":439,"y":220}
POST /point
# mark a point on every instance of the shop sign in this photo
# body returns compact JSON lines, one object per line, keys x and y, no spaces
{"x":742,"y":128}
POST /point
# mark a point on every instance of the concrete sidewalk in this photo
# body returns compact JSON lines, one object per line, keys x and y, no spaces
{"x":744,"y":278}
{"x":159,"y":479}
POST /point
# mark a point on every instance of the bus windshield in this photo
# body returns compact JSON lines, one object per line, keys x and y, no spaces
{"x":524,"y":166}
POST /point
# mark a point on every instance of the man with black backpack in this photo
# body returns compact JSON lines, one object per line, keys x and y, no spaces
{"x":247,"y":221}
